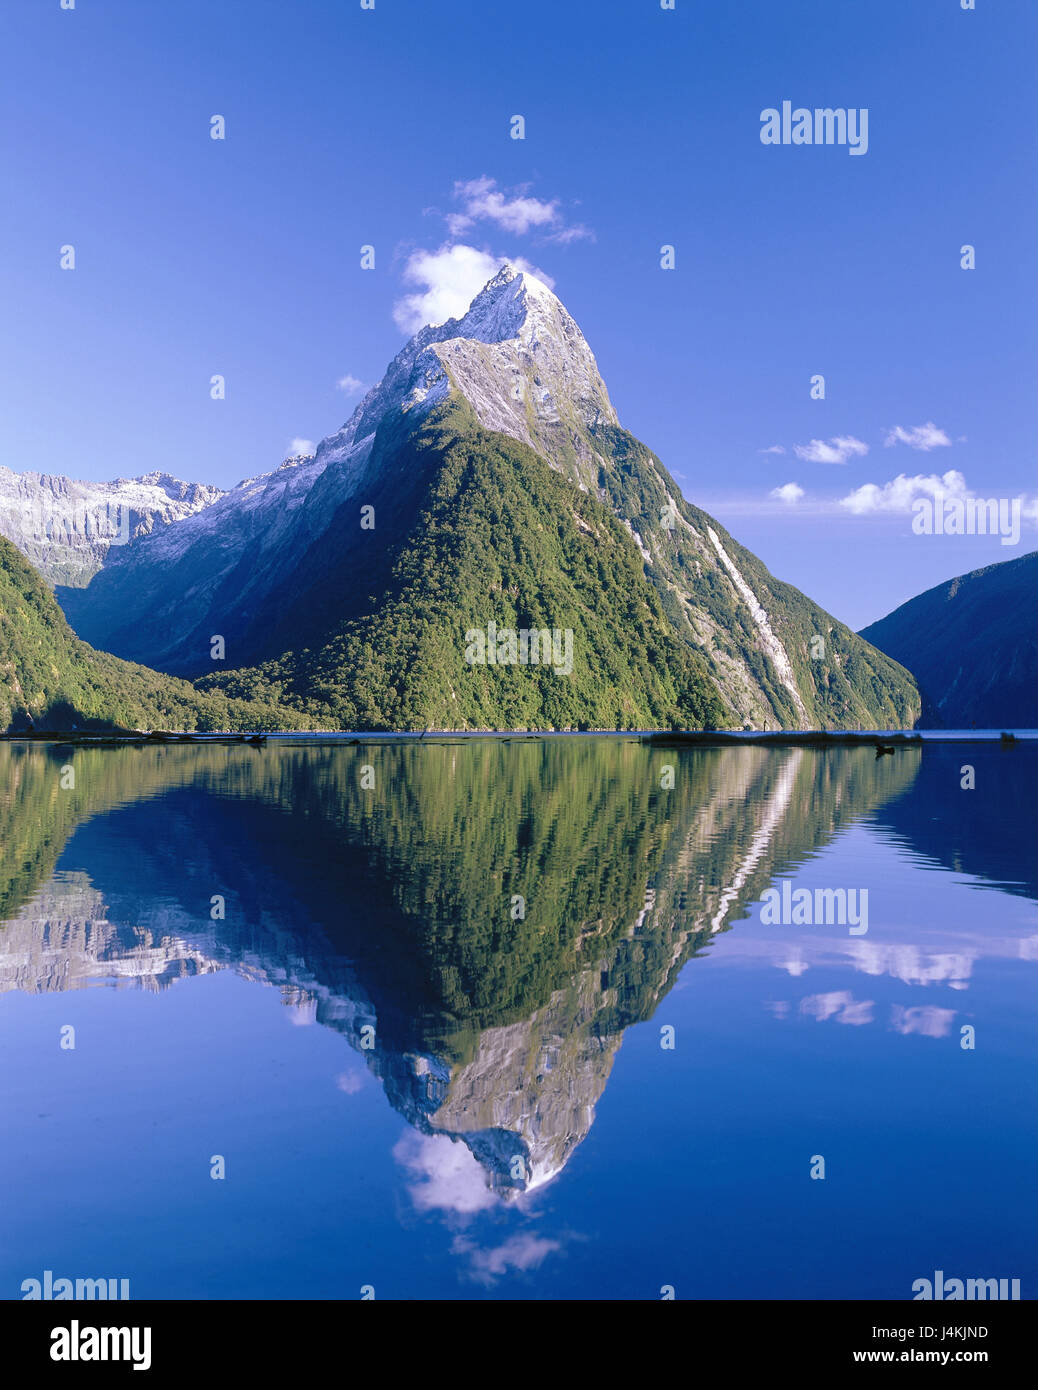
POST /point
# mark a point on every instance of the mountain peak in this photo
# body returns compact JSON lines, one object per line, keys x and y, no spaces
{"x":505,"y":275}
{"x":518,"y":358}
{"x":508,"y":274}
{"x":502,"y":309}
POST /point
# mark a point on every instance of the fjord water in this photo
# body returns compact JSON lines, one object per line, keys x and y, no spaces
{"x":414,"y":996}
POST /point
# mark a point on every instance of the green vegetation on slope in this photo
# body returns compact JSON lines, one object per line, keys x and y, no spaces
{"x":473,"y":527}
{"x":500,"y":537}
{"x":972,"y":644}
{"x":848,"y":685}
{"x":48,"y":673}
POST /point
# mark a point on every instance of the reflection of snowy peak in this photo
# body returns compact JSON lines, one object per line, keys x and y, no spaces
{"x":527,"y":1099}
{"x":519,"y":1087}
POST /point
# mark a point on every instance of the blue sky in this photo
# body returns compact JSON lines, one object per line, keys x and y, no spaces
{"x":347,"y":127}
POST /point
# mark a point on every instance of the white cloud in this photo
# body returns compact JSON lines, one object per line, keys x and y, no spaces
{"x":299,"y":446}
{"x":350,"y":1082}
{"x":513,"y":211}
{"x":450,"y":278}
{"x":522,"y":1251}
{"x":578,"y":232}
{"x":795,"y":966}
{"x":837,"y":450}
{"x":349,"y":385}
{"x":839,"y":1005}
{"x":445,"y":1176}
{"x":899,"y":494}
{"x":926,"y":1019}
{"x":788,"y":493}
{"x":772,"y":449}
{"x":925,"y":437}
{"x":484,"y":201}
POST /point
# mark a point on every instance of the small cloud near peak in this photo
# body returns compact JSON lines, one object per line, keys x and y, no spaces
{"x":924,"y":437}
{"x":837,"y":450}
{"x":790,"y":493}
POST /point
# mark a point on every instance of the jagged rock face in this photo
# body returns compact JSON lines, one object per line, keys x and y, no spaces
{"x":518,"y":358}
{"x":529,"y":1093}
{"x":66,"y":528}
{"x":63,"y":939}
{"x":523,"y":365}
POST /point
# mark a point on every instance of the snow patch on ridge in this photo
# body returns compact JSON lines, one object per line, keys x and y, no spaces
{"x":772,"y":645}
{"x":65,"y":526}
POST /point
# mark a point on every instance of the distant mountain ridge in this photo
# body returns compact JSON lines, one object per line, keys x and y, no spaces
{"x":972,"y":644}
{"x":503,"y":489}
{"x":67,"y":527}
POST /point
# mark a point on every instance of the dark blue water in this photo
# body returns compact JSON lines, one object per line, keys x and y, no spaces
{"x":419,"y":1083}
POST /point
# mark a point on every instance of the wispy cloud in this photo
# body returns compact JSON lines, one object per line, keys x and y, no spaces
{"x":576,"y":232}
{"x":836,"y":450}
{"x":899,"y":494}
{"x":450,"y":278}
{"x":482,"y":200}
{"x":349,"y":385}
{"x":299,"y":446}
{"x":514,"y":211}
{"x":522,"y":1251}
{"x":877,"y":500}
{"x":789,"y":493}
{"x":839,"y":1005}
{"x":926,"y":1019}
{"x":925,"y":437}
{"x":772,"y":449}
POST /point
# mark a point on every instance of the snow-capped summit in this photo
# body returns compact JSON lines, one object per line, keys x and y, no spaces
{"x":506,"y":307}
{"x":519,"y":359}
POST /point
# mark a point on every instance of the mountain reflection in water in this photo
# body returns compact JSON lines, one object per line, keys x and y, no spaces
{"x":484,"y":923}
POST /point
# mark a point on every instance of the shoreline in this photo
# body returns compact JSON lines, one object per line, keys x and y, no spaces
{"x":658,"y":738}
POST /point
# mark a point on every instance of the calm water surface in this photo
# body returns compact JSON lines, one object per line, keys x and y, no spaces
{"x":503,"y":1020}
